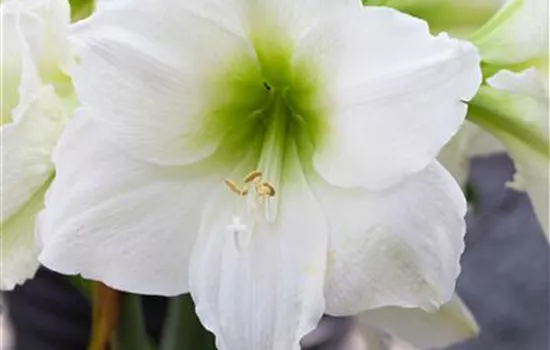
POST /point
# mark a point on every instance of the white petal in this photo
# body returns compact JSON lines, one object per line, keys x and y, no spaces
{"x":101,"y":5}
{"x":452,"y":323}
{"x":470,"y":141}
{"x":391,"y":93}
{"x":29,"y":53}
{"x":517,"y":33}
{"x":45,"y":26}
{"x":18,"y":250}
{"x":35,"y":49}
{"x":530,"y":82}
{"x":373,"y":337}
{"x":398,"y":247}
{"x":262,"y":289}
{"x":455,"y":156}
{"x":126,"y":223}
{"x":168,"y":80}
{"x":293,"y":17}
{"x":11,"y":61}
{"x":532,"y":176}
{"x":27,"y":146}
{"x":276,"y":27}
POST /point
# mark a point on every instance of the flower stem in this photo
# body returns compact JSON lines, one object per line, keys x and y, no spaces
{"x":182,"y":329}
{"x":105,"y":314}
{"x":131,"y":333}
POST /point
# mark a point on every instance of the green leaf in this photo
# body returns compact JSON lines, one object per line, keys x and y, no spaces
{"x":182,"y":329}
{"x":131,"y":333}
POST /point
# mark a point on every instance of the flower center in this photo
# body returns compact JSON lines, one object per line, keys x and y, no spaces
{"x":263,"y":107}
{"x":259,"y":186}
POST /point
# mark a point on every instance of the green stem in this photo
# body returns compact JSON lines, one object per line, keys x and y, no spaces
{"x":492,"y":111}
{"x":131,"y":332}
{"x":182,"y":329}
{"x":82,"y":285}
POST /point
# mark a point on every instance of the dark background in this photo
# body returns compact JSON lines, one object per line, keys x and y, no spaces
{"x":504,"y":280}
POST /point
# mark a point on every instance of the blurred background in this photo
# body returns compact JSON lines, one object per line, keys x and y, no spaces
{"x":504,"y":281}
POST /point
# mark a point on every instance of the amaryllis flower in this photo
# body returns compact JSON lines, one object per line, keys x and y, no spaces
{"x":517,"y":33}
{"x":514,"y":107}
{"x":422,"y":330}
{"x":36,"y":101}
{"x":273,"y":158}
{"x":511,"y":110}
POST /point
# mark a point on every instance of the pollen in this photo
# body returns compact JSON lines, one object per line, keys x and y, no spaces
{"x":253,"y":175}
{"x":267,"y":189}
{"x":244,"y":191}
{"x":232,"y":186}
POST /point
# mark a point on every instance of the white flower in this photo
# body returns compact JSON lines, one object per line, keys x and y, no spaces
{"x":516,"y":34}
{"x":511,"y":111}
{"x":343,"y":110}
{"x":36,"y":102}
{"x":525,"y":95}
{"x":452,"y":323}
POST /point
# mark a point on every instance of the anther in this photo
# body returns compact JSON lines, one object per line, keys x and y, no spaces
{"x":232,"y":186}
{"x":244,"y":191}
{"x":269,"y":190}
{"x":253,"y":175}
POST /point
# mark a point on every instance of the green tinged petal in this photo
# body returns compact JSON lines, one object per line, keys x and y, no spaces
{"x":456,"y":17}
{"x":81,"y":9}
{"x":451,"y":323}
{"x":516,"y":34}
{"x":40,"y":100}
{"x":254,"y":107}
{"x":519,"y":118}
{"x":18,"y":250}
{"x":504,"y":115}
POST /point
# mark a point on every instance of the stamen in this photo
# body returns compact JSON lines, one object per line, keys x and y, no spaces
{"x":269,"y":189}
{"x":263,"y":190}
{"x":257,"y":186}
{"x":232,"y":186}
{"x":253,"y":175}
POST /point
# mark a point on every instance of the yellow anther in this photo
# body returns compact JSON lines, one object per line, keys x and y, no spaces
{"x":232,"y":186}
{"x":253,"y":175}
{"x":263,"y":189}
{"x":269,"y":190}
